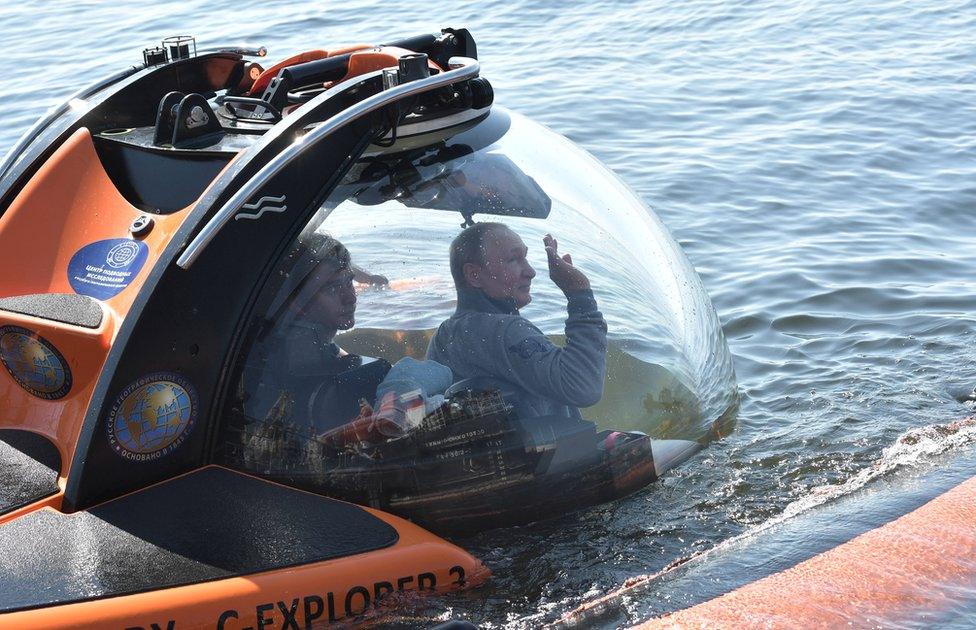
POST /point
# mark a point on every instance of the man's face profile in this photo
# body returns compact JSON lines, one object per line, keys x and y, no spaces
{"x":506,"y":272}
{"x":334,"y":302}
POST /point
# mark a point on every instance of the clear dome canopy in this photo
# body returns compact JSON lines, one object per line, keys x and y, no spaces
{"x":488,"y":381}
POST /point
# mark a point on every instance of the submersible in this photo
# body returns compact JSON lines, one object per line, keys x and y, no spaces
{"x":177,"y":445}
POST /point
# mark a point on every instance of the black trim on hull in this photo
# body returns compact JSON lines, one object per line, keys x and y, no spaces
{"x":162,"y":331}
{"x":124,"y":100}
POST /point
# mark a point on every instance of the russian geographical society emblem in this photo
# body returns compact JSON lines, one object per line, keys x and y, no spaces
{"x":34,"y":363}
{"x":152,"y":416}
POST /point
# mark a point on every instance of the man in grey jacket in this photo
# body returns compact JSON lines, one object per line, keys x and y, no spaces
{"x":488,"y":338}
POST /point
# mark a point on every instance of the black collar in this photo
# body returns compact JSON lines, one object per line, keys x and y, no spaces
{"x":476,"y":300}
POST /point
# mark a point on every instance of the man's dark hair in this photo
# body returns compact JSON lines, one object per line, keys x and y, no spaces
{"x":469,"y":247}
{"x":314,"y":250}
{"x":310,"y":251}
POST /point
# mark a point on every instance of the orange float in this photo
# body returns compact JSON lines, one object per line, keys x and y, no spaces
{"x":878,"y":578}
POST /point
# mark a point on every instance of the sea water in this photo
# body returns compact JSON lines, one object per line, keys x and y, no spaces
{"x":817,"y":162}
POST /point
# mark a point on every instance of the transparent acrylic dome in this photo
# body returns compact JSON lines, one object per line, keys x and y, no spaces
{"x":587,"y":394}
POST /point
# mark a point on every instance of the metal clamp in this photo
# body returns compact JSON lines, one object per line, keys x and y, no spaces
{"x":462,"y":69}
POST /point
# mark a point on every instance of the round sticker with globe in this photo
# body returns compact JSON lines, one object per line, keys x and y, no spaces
{"x":35,"y":364}
{"x":103,"y":268}
{"x":152,"y":416}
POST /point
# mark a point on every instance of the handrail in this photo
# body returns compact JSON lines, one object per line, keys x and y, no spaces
{"x":244,"y":51}
{"x":462,"y":69}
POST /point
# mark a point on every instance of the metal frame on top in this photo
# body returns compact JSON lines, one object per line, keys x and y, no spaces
{"x":462,"y":69}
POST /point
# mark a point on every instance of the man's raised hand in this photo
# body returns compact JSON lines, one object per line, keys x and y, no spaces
{"x":561,"y":269}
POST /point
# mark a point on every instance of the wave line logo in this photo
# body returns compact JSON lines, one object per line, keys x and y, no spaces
{"x":262,"y":205}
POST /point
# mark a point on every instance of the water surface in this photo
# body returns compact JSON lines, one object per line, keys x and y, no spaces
{"x":816,"y":160}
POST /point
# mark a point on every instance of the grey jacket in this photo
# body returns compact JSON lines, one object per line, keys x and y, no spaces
{"x":488,"y":338}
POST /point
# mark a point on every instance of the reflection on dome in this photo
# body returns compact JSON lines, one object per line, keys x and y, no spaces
{"x":442,"y":179}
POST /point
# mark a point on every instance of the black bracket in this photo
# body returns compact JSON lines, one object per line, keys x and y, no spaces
{"x":186,"y":121}
{"x":196,"y":124}
{"x":164,"y":118}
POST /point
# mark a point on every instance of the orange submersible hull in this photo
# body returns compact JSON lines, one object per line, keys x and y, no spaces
{"x":144,"y":226}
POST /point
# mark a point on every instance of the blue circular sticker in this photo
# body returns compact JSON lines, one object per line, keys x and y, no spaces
{"x":102,"y":269}
{"x":152,"y":416}
{"x":35,"y":364}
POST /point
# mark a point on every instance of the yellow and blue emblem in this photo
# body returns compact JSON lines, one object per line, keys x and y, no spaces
{"x":35,"y":364}
{"x":152,"y":416}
